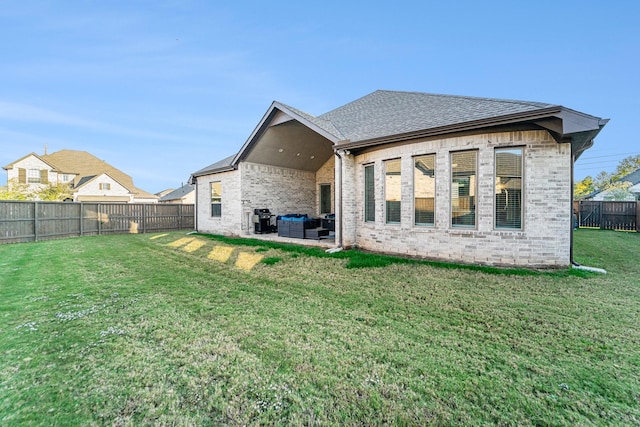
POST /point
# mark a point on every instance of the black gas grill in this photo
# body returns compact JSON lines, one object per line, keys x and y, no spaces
{"x":262,"y":221}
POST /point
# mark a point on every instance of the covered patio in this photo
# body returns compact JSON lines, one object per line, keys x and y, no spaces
{"x":324,"y":242}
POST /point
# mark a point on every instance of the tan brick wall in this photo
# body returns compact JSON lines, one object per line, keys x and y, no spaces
{"x":280,"y":190}
{"x":231,"y":220}
{"x":257,"y":186}
{"x":544,"y":240}
{"x":326,"y":175}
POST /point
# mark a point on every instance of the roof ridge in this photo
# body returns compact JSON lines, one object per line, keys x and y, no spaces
{"x":325,"y":124}
{"x":479,"y":98}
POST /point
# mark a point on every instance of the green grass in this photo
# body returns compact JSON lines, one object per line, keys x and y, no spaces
{"x":135,"y":330}
{"x":362,"y":259}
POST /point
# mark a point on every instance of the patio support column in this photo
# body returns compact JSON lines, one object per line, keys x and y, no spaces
{"x":346,"y":199}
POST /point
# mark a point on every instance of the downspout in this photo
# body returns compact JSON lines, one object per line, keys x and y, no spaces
{"x":574,"y":264}
{"x":195,"y":208}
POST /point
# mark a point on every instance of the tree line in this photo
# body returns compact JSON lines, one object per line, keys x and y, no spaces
{"x":612,"y":183}
{"x":47,"y":192}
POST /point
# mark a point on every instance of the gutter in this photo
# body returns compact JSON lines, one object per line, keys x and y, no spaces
{"x":572,"y":261}
{"x":195,"y":210}
{"x":457,"y":127}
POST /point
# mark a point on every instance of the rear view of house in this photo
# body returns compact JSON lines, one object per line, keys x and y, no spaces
{"x":465,"y":179}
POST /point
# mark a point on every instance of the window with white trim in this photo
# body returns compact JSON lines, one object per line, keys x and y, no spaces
{"x":33,"y":176}
{"x":105,"y":186}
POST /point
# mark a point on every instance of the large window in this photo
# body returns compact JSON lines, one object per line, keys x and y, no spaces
{"x":392,"y":191}
{"x":424,"y":189}
{"x":463,"y":189}
{"x":369,"y":194}
{"x":508,"y":165}
{"x":216,"y":199}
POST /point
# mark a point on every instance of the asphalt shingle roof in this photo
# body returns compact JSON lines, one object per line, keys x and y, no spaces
{"x":220,"y":164}
{"x":86,"y":166}
{"x":325,"y":124}
{"x":633,"y":177}
{"x":384,"y":113}
{"x":179,"y":193}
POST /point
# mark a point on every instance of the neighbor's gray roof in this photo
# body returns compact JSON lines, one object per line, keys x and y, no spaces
{"x":178,"y":193}
{"x":383,"y":113}
{"x":633,"y":177}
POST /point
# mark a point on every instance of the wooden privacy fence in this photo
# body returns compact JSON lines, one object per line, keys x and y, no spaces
{"x":608,"y":215}
{"x":29,"y":221}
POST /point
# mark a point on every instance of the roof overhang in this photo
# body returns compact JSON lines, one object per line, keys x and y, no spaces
{"x":288,"y":139}
{"x":10,"y":165}
{"x":564,"y":125}
{"x":282,"y":138}
{"x":98,"y":177}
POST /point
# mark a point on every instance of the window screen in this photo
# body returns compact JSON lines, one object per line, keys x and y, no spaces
{"x":508,"y":164}
{"x":369,"y":194}
{"x":216,"y":199}
{"x":392,"y":190}
{"x":463,"y":189}
{"x":424,"y":189}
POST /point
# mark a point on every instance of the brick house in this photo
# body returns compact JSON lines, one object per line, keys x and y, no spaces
{"x":90,"y":179}
{"x":464,"y":179}
{"x":186,"y":194}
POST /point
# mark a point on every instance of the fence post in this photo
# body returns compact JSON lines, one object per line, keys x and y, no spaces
{"x":35,"y":221}
{"x":638,"y":216}
{"x":144,"y":218}
{"x":99,"y":219}
{"x":81,"y":218}
{"x":600,"y":218}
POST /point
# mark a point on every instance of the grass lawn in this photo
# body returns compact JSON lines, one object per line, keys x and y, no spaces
{"x":170,"y":329}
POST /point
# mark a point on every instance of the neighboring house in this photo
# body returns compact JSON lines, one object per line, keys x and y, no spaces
{"x":90,"y":179}
{"x":185,"y":195}
{"x":163,"y":193}
{"x":633,"y":192}
{"x":456,"y":178}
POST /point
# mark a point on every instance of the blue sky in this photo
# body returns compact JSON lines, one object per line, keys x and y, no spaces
{"x":160,"y":89}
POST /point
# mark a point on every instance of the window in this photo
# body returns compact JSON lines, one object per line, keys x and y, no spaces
{"x":392,"y":190}
{"x":105,"y":186}
{"x":33,"y":176}
{"x":463,"y":189}
{"x":325,"y":198}
{"x":216,"y":199}
{"x":369,"y":194}
{"x":508,"y":164}
{"x":424,"y":189}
